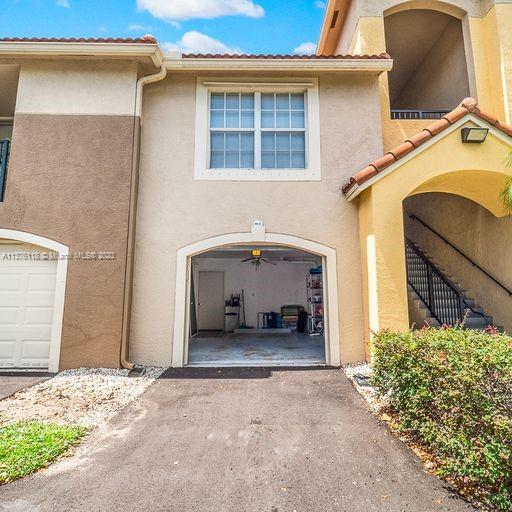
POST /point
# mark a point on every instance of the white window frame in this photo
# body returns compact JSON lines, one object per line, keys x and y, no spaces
{"x":309,"y":87}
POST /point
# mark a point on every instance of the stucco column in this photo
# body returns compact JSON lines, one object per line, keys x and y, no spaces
{"x":383,"y":262}
{"x":495,"y":36}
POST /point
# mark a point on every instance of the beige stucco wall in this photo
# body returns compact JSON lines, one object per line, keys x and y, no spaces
{"x":174,"y":210}
{"x":484,"y":237}
{"x":77,"y":87}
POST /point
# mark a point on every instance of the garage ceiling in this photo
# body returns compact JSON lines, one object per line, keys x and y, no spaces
{"x":272,"y":253}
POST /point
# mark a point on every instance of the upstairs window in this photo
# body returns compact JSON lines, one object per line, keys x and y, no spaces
{"x":259,"y":134}
{"x":257,"y":130}
{"x":232,"y":130}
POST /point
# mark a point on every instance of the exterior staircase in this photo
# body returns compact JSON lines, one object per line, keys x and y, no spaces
{"x":441,"y":300}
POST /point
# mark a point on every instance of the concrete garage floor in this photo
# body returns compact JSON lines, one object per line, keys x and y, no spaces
{"x":239,"y":440}
{"x":229,"y":349}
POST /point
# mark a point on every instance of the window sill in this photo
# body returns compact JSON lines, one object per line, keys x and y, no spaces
{"x":258,"y":175}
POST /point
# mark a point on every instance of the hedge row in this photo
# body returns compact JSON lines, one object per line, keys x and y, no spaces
{"x":451,"y":389}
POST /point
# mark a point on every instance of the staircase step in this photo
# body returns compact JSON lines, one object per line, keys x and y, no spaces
{"x":477,"y":322}
{"x":475,"y":317}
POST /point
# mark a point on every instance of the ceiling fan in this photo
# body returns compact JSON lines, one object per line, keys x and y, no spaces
{"x":256,"y":259}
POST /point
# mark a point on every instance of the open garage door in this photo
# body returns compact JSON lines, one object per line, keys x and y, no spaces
{"x":257,"y":306}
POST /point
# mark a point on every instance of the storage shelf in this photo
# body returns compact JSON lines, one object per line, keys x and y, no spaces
{"x":315,"y":289}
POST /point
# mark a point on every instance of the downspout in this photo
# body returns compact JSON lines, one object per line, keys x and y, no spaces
{"x":132,"y":215}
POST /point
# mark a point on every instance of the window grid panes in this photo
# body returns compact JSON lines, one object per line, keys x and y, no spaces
{"x":283,"y":126}
{"x":231,"y":130}
{"x":257,"y":130}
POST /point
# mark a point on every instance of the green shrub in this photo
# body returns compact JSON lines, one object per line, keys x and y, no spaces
{"x":451,"y":389}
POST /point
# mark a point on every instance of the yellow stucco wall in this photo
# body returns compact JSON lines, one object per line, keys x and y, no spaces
{"x":489,"y":55}
{"x":497,"y":40}
{"x":474,"y":171}
{"x":368,"y":38}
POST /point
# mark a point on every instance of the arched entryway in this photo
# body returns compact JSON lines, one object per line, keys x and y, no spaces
{"x":458,"y":267}
{"x":243,"y":243}
{"x":33,"y":272}
{"x":444,"y":164}
{"x":427,"y":80}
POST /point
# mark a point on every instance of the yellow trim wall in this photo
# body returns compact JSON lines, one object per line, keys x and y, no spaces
{"x":369,"y":37}
{"x":488,"y":40}
{"x":474,"y":171}
{"x":497,"y":41}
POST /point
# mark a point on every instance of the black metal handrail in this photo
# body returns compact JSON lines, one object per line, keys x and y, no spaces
{"x":463,"y":254}
{"x":4,"y":158}
{"x":418,"y":114}
{"x":442,"y":298}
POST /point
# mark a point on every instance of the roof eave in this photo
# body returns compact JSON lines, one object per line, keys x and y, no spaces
{"x":375,"y":66}
{"x":355,"y":188}
{"x":352,"y":192}
{"x":82,"y":49}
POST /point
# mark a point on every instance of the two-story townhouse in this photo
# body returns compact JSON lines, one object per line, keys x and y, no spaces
{"x":237,"y":210}
{"x":236,"y":154}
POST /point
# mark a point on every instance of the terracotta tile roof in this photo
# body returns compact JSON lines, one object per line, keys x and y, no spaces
{"x":147,"y":39}
{"x":468,"y":106}
{"x":383,"y":56}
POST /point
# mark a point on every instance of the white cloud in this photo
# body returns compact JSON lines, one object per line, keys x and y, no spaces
{"x":196,"y":42}
{"x":305,"y":49}
{"x":63,"y":3}
{"x":172,"y":10}
{"x":320,"y":4}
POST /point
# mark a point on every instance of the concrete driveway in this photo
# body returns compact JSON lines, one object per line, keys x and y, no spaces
{"x":239,"y":441}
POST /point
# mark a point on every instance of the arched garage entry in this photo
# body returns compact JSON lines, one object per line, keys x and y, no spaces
{"x":259,"y":237}
{"x":33,"y":272}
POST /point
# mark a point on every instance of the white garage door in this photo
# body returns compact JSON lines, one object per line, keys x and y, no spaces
{"x":27,"y":295}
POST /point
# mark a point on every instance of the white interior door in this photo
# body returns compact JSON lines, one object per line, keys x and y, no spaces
{"x":27,"y":296}
{"x":210,"y":303}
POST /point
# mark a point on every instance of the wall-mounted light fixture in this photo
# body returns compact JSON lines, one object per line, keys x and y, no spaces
{"x":474,"y":135}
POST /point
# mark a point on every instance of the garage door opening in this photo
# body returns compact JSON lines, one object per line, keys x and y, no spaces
{"x":257,"y":306}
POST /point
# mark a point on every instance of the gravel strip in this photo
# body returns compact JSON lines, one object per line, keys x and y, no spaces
{"x":358,"y":373}
{"x":86,"y":397}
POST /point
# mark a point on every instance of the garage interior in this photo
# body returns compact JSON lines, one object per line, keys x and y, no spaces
{"x":256,"y":306}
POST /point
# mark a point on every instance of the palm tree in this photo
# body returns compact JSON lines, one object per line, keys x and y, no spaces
{"x":506,"y":193}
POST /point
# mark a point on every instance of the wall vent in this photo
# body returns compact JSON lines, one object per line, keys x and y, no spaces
{"x":334,"y":18}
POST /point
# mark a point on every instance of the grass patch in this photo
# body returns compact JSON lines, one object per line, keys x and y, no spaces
{"x":451,"y":390}
{"x":27,"y":446}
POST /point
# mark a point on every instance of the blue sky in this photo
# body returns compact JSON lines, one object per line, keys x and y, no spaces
{"x":252,"y":26}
